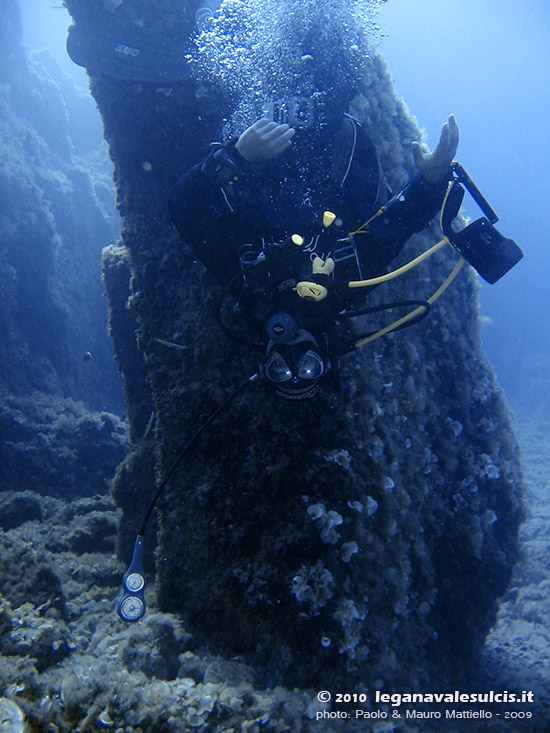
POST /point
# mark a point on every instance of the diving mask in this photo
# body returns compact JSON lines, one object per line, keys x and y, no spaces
{"x":310,"y":368}
{"x":294,"y":363}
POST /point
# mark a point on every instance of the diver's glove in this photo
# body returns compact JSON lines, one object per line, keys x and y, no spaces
{"x":264,"y":140}
{"x":436,"y":166}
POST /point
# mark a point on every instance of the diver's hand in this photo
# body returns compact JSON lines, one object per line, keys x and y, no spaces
{"x":264,"y":140}
{"x":435,"y":166}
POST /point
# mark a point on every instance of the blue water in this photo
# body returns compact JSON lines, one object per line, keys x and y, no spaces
{"x":489,"y":64}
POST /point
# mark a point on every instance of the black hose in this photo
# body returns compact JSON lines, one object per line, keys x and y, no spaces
{"x":348,"y":344}
{"x":187,"y":446}
{"x":385,"y":307}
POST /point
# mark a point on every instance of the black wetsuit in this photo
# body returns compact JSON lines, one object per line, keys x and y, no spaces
{"x":224,"y":203}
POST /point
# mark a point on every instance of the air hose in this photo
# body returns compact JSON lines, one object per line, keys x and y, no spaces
{"x":401,"y":271}
{"x":415,"y":313}
{"x":131,"y":604}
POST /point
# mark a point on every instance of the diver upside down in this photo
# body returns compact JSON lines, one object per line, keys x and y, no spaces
{"x":299,"y":292}
{"x":299,"y":289}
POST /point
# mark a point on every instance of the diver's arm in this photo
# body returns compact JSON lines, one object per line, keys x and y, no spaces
{"x":264,"y":140}
{"x":435,"y":166}
{"x":191,"y":199}
{"x":409,"y":211}
{"x":202,"y":206}
{"x":417,"y":203}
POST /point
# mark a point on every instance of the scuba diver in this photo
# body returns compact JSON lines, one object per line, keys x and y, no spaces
{"x":255,"y":213}
{"x":270,"y":213}
{"x":294,"y":219}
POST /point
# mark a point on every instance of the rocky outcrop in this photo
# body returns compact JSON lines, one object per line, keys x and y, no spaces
{"x":364,"y":536}
{"x":57,"y":447}
{"x":67,"y":661}
{"x":56,"y":214}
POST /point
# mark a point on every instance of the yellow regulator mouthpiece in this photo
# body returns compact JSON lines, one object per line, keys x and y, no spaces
{"x":312,"y":291}
{"x":297,"y":240}
{"x":319,"y":267}
{"x":328,"y":218}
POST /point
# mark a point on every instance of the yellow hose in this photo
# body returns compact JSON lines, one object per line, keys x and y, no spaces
{"x":416,"y":311}
{"x":401,"y":270}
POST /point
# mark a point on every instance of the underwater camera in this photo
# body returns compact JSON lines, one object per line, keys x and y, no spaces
{"x":480,"y":243}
